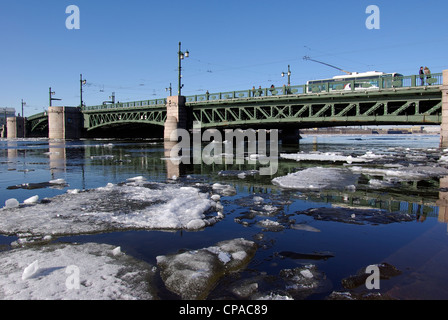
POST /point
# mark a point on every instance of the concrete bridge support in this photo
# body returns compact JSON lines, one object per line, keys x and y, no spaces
{"x":176,"y":115}
{"x":64,"y":123}
{"x":15,"y":127}
{"x":444,"y":125}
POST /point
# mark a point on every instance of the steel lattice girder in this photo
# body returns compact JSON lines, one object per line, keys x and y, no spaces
{"x":324,"y":110}
{"x":95,"y":120}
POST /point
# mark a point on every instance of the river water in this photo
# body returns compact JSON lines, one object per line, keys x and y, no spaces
{"x":402,"y":174}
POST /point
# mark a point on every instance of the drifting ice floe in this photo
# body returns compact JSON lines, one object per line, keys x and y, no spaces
{"x":136,"y":204}
{"x":73,"y":272}
{"x":318,"y":178}
{"x":403,"y":173}
{"x":194,"y":273}
{"x":329,"y":156}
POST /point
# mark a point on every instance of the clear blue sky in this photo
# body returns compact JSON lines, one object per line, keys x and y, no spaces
{"x":130,"y":47}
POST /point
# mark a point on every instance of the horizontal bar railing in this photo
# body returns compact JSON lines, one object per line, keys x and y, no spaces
{"x":133,"y":104}
{"x":377,"y":83}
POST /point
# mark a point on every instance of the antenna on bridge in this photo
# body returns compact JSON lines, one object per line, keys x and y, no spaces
{"x":308,"y":58}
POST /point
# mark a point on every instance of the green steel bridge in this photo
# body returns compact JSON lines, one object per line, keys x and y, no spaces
{"x":398,"y":101}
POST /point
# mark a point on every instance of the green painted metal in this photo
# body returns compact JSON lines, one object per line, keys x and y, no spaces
{"x":37,"y":122}
{"x":401,"y":100}
{"x":397,"y":106}
{"x":120,"y":116}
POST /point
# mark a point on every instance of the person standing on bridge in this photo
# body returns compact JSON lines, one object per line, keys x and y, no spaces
{"x":422,"y":77}
{"x":427,"y":74}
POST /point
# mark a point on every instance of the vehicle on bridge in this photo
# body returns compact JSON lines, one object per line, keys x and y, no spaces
{"x":372,"y":80}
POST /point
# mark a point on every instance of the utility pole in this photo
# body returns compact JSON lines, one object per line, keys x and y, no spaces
{"x":81,"y":83}
{"x":23,"y":119}
{"x":51,"y":93}
{"x":23,"y":104}
{"x":181,"y":56}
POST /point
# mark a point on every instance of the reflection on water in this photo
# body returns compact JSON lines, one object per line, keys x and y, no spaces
{"x":418,"y":246}
{"x":442,"y":203}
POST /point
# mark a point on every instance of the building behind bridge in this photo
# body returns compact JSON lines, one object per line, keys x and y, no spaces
{"x":5,"y":113}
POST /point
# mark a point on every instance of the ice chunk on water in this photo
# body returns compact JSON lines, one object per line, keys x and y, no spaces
{"x":403,"y":173}
{"x":139,"y":178}
{"x":318,"y":178}
{"x":326,"y":156}
{"x":139,"y":205}
{"x":196,"y":224}
{"x":57,"y":181}
{"x":31,"y":200}
{"x":193,"y":274}
{"x":11,"y":203}
{"x":31,"y":270}
{"x":116,"y":251}
{"x":304,"y":227}
{"x":102,"y":276}
{"x":306,"y":273}
{"x":258,"y":200}
{"x":224,"y":189}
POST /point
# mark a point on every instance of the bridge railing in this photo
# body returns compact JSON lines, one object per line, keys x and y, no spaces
{"x":375,"y":83}
{"x":133,"y":104}
{"x":250,"y":93}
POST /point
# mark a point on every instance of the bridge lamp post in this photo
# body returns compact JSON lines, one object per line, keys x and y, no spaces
{"x":170,"y":89}
{"x":181,"y":56}
{"x":52,"y":93}
{"x":23,"y":117}
{"x":289,"y":76}
{"x":23,"y":104}
{"x":81,"y":84}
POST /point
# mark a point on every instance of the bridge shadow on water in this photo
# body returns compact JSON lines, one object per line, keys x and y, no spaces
{"x":126,"y":131}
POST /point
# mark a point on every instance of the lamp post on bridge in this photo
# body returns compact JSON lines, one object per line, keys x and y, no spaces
{"x":82,"y":83}
{"x":23,"y":104}
{"x":181,"y":56}
{"x":23,"y":119}
{"x":52,"y":93}
{"x":289,"y":75}
{"x":170,"y":89}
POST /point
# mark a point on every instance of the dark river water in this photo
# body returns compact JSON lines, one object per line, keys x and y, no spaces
{"x":404,"y":175}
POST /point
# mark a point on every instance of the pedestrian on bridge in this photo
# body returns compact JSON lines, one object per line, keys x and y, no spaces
{"x":422,"y":77}
{"x":427,"y":74}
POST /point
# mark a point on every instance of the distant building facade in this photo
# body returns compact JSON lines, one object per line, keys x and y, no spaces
{"x":6,"y":113}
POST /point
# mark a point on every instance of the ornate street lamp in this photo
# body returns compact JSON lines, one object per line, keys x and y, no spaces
{"x":289,"y":76}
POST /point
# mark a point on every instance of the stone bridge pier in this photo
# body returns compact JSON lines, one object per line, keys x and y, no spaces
{"x":176,"y":115}
{"x":15,"y":127}
{"x":64,"y":123}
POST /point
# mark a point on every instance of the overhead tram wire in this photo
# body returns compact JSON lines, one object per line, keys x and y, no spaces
{"x":329,"y":65}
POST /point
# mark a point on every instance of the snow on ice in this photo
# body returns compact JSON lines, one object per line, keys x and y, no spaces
{"x":74,"y":272}
{"x":329,"y":156}
{"x":318,"y":178}
{"x":135,"y":204}
{"x":192,"y":274}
